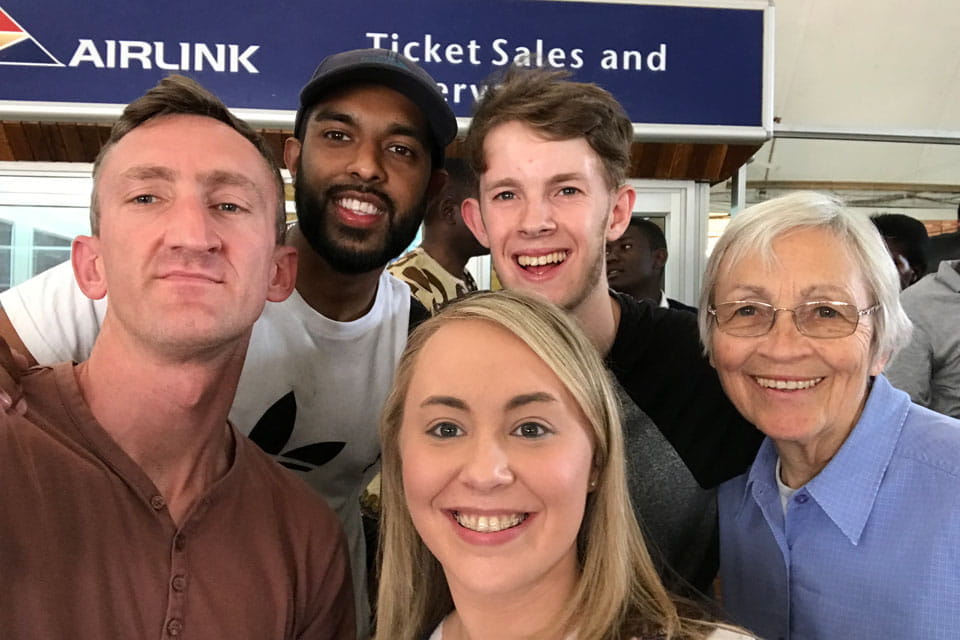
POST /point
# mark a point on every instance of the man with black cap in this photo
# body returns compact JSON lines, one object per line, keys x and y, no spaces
{"x":367,"y":153}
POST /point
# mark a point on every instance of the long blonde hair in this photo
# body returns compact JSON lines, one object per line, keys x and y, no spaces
{"x":618,"y":593}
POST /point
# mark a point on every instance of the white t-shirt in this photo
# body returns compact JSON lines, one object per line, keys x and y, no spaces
{"x":310,"y":392}
{"x":785,"y":492}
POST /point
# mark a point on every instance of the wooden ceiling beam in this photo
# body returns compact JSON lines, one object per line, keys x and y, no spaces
{"x":18,"y":141}
{"x":6,"y":151}
{"x":80,"y":142}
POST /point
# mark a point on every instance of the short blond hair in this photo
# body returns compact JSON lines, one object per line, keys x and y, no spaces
{"x":757,"y":227}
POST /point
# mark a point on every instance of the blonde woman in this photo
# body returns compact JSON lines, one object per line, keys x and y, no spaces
{"x":505,"y":508}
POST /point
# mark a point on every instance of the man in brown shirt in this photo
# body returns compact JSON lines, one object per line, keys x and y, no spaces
{"x":130,"y":507}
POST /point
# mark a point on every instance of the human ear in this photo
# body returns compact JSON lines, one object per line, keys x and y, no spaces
{"x":878,"y":363}
{"x":621,"y":212}
{"x":449,"y":210}
{"x":470,"y":210}
{"x":88,"y":266}
{"x":291,"y":155}
{"x":283,"y":274}
{"x":659,"y":258}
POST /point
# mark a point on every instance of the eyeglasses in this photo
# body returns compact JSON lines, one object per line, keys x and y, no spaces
{"x":818,"y":319}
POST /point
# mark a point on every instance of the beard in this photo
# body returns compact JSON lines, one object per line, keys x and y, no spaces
{"x":363,"y":250}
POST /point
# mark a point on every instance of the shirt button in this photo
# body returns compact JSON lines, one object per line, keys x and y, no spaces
{"x":179,"y":542}
{"x":157,"y":502}
{"x":802,"y":498}
{"x":174,"y":626}
{"x":179,"y":583}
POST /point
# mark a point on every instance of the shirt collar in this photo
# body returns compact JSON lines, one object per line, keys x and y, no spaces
{"x":664,"y":303}
{"x":762,"y":470}
{"x":847,"y":487}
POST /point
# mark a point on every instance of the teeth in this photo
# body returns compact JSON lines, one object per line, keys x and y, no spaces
{"x":359,"y":207}
{"x":539,"y":261}
{"x":489,"y":524}
{"x":789,"y":385}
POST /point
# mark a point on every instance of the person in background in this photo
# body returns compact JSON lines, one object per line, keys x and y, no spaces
{"x":366,"y":156}
{"x":928,"y":366}
{"x":437,"y":270}
{"x":505,"y":502}
{"x":131,"y":507}
{"x":945,"y":246}
{"x":846,"y":525}
{"x":907,"y":241}
{"x":635,"y":263}
{"x":551,"y":156}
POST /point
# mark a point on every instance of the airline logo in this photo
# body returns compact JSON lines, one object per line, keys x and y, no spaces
{"x":18,"y":47}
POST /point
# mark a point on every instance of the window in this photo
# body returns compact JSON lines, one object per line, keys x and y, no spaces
{"x":42,"y":208}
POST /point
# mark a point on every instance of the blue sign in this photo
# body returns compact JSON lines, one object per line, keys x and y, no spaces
{"x":674,"y":65}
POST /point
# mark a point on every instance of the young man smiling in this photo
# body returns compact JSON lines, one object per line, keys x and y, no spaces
{"x":551,"y":156}
{"x":367,"y":153}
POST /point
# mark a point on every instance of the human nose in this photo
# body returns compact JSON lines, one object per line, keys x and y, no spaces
{"x":192,"y":227}
{"x":487,"y":465}
{"x":536,"y":218}
{"x":784,"y":339}
{"x":366,"y":163}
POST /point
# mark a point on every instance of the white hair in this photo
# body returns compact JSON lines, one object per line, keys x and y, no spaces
{"x":754,"y":230}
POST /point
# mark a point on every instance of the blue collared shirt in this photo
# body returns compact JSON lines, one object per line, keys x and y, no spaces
{"x":869,"y":548}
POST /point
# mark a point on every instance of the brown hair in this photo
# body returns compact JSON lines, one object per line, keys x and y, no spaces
{"x":559,"y":109}
{"x":618,"y":593}
{"x":180,"y":95}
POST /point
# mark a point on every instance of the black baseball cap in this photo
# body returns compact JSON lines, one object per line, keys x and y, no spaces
{"x":389,"y":69}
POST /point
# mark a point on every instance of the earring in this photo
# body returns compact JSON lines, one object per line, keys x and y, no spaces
{"x":593,"y":484}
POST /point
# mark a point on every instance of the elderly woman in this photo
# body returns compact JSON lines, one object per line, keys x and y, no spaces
{"x":505,"y":508}
{"x":848,"y":523}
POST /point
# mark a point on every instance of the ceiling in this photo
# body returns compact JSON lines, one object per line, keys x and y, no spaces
{"x":862,"y":67}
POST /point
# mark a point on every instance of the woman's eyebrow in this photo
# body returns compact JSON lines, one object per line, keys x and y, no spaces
{"x":528,"y":398}
{"x":824,"y":290}
{"x":749,"y":290}
{"x":445,"y":401}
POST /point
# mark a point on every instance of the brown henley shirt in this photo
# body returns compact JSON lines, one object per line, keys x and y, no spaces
{"x":88,"y":548}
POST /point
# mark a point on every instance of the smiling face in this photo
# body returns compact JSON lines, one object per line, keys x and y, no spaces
{"x":187,"y":248}
{"x":792,"y":387}
{"x":546,"y":213}
{"x":496,"y":462}
{"x":362,"y":174}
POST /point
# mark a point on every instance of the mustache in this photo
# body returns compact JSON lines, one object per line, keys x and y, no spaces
{"x":335,"y":190}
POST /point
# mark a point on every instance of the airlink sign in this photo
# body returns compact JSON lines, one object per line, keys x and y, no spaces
{"x":185,"y":56}
{"x":701,"y":63}
{"x":18,"y":47}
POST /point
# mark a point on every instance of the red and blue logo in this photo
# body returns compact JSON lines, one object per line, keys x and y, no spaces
{"x":18,"y":47}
